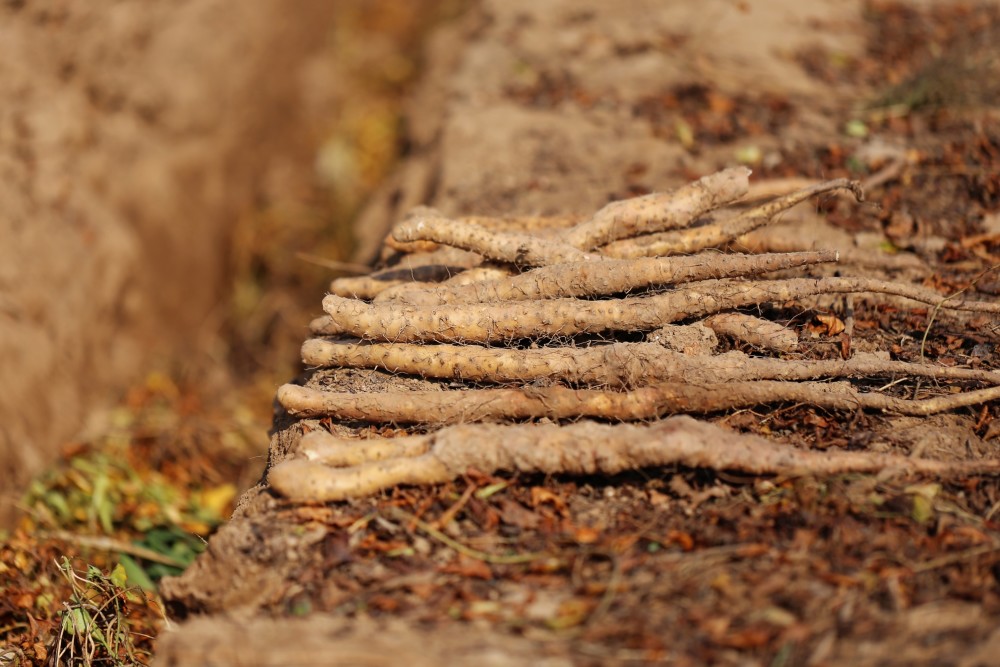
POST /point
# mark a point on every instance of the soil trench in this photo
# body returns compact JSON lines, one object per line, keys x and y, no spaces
{"x":541,"y":114}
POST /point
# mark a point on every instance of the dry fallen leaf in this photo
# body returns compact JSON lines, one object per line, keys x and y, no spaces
{"x":827,"y":325}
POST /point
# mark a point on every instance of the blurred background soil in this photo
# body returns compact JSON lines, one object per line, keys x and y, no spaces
{"x":173,"y":176}
{"x":160,"y":165}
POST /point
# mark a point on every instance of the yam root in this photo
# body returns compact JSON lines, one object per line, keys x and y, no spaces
{"x":564,"y":320}
{"x":417,"y":291}
{"x":579,"y":279}
{"x":616,"y":365}
{"x":582,"y":448}
{"x":482,"y":323}
{"x":712,"y":235}
{"x":516,"y":248}
{"x":754,"y":330}
{"x":643,"y":403}
{"x":617,"y":220}
{"x":661,"y":210}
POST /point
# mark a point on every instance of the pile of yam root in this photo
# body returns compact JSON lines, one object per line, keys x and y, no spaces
{"x":583,"y":346}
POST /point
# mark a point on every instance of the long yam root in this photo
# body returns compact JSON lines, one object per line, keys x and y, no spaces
{"x":576,"y":291}
{"x":620,"y":219}
{"x":321,"y":446}
{"x":582,"y":448}
{"x":579,"y":279}
{"x":418,"y":291}
{"x":616,"y":364}
{"x":643,"y":403}
{"x":613,"y":365}
{"x":481,"y":323}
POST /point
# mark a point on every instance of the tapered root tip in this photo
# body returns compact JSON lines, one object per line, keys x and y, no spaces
{"x":291,"y":397}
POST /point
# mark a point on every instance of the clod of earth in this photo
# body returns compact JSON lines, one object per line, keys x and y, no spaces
{"x":595,"y":322}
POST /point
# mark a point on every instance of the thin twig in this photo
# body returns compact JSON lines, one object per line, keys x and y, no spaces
{"x":952,"y":559}
{"x":940,"y":304}
{"x":111,"y":544}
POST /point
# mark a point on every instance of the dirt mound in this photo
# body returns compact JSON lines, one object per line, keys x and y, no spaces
{"x":132,"y":136}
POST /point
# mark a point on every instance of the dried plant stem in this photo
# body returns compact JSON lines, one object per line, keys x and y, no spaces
{"x":643,"y":403}
{"x":588,"y":448}
{"x":712,"y":235}
{"x":481,"y":323}
{"x":577,"y":279}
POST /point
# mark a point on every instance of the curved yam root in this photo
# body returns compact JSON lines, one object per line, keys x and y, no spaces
{"x":620,"y":219}
{"x":713,"y":235}
{"x":660,"y":210}
{"x":306,"y":481}
{"x":581,"y":448}
{"x":482,"y":323}
{"x":579,"y":279}
{"x":643,"y":403}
